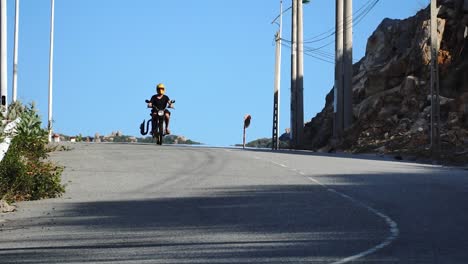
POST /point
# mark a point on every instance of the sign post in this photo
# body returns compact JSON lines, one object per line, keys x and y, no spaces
{"x":247,"y":119}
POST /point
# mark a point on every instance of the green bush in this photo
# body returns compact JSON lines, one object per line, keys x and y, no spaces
{"x":25,"y":172}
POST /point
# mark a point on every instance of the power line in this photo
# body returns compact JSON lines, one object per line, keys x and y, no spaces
{"x":313,"y":48}
{"x":360,"y":14}
{"x":314,"y":54}
{"x":325,"y":56}
{"x":332,"y":30}
{"x":317,"y":52}
{"x":322,"y":53}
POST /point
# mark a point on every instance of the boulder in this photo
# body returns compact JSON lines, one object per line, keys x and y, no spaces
{"x":5,"y":207}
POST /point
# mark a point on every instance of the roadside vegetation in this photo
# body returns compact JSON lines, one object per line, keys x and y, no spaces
{"x":265,"y":143}
{"x":170,"y":139}
{"x":118,"y":138}
{"x":25,"y":171}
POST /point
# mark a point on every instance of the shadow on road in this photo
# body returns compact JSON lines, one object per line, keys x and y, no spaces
{"x":258,"y":224}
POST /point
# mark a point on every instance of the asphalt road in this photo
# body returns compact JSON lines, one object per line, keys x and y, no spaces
{"x":167,"y":204}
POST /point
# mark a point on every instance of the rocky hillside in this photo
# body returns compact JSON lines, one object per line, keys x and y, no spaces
{"x":391,"y":90}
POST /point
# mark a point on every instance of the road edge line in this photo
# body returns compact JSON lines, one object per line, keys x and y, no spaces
{"x":393,"y":226}
{"x":394,"y":231}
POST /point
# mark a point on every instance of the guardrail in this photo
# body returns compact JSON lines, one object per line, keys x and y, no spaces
{"x":9,"y":128}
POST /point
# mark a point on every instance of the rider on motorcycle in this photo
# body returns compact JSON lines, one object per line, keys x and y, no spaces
{"x":161,"y":101}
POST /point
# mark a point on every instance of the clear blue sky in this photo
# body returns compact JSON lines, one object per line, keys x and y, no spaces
{"x":216,"y":59}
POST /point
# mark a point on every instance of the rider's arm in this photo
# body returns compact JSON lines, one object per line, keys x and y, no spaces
{"x":150,"y":102}
{"x":169,"y":104}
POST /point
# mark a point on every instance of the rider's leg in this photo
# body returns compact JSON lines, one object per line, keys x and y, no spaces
{"x":153,"y":125}
{"x":168,"y":116}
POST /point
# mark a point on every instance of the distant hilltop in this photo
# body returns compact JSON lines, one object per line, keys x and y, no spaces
{"x":118,"y":137}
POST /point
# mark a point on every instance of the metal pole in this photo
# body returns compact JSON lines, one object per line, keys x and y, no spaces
{"x":276,"y":96}
{"x":300,"y":76}
{"x":3,"y":56}
{"x":15,"y":53}
{"x":338,"y":88}
{"x":243,"y":138}
{"x":432,"y":81}
{"x":348,"y":65}
{"x":293,"y":133}
{"x":435,"y":99}
{"x":51,"y":64}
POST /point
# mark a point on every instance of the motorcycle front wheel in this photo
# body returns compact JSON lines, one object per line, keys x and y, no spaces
{"x":160,"y":132}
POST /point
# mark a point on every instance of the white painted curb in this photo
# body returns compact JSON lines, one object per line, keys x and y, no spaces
{"x":6,"y":142}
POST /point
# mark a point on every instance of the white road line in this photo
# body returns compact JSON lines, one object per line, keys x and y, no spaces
{"x":314,"y":180}
{"x":393,"y":226}
{"x":276,"y":163}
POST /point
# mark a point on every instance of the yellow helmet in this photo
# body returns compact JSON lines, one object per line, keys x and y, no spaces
{"x":160,"y":88}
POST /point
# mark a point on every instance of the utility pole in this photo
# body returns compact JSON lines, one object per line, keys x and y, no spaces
{"x":15,"y":53}
{"x":276,"y":96}
{"x":299,"y":142}
{"x":293,"y":133}
{"x":343,"y":90}
{"x":297,"y":75}
{"x":348,"y":64}
{"x":51,"y":64}
{"x":3,"y":56}
{"x":435,"y":98}
{"x":338,"y":87}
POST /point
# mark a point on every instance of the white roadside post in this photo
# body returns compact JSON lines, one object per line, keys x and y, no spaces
{"x":51,"y":64}
{"x":15,"y":53}
{"x":3,"y":57}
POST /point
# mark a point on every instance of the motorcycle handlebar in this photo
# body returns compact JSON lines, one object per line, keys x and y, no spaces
{"x":171,"y":102}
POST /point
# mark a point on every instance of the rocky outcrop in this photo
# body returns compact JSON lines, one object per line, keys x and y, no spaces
{"x":391,"y":90}
{"x":5,"y":207}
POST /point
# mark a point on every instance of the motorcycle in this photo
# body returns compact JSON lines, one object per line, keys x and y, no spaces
{"x":157,"y":123}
